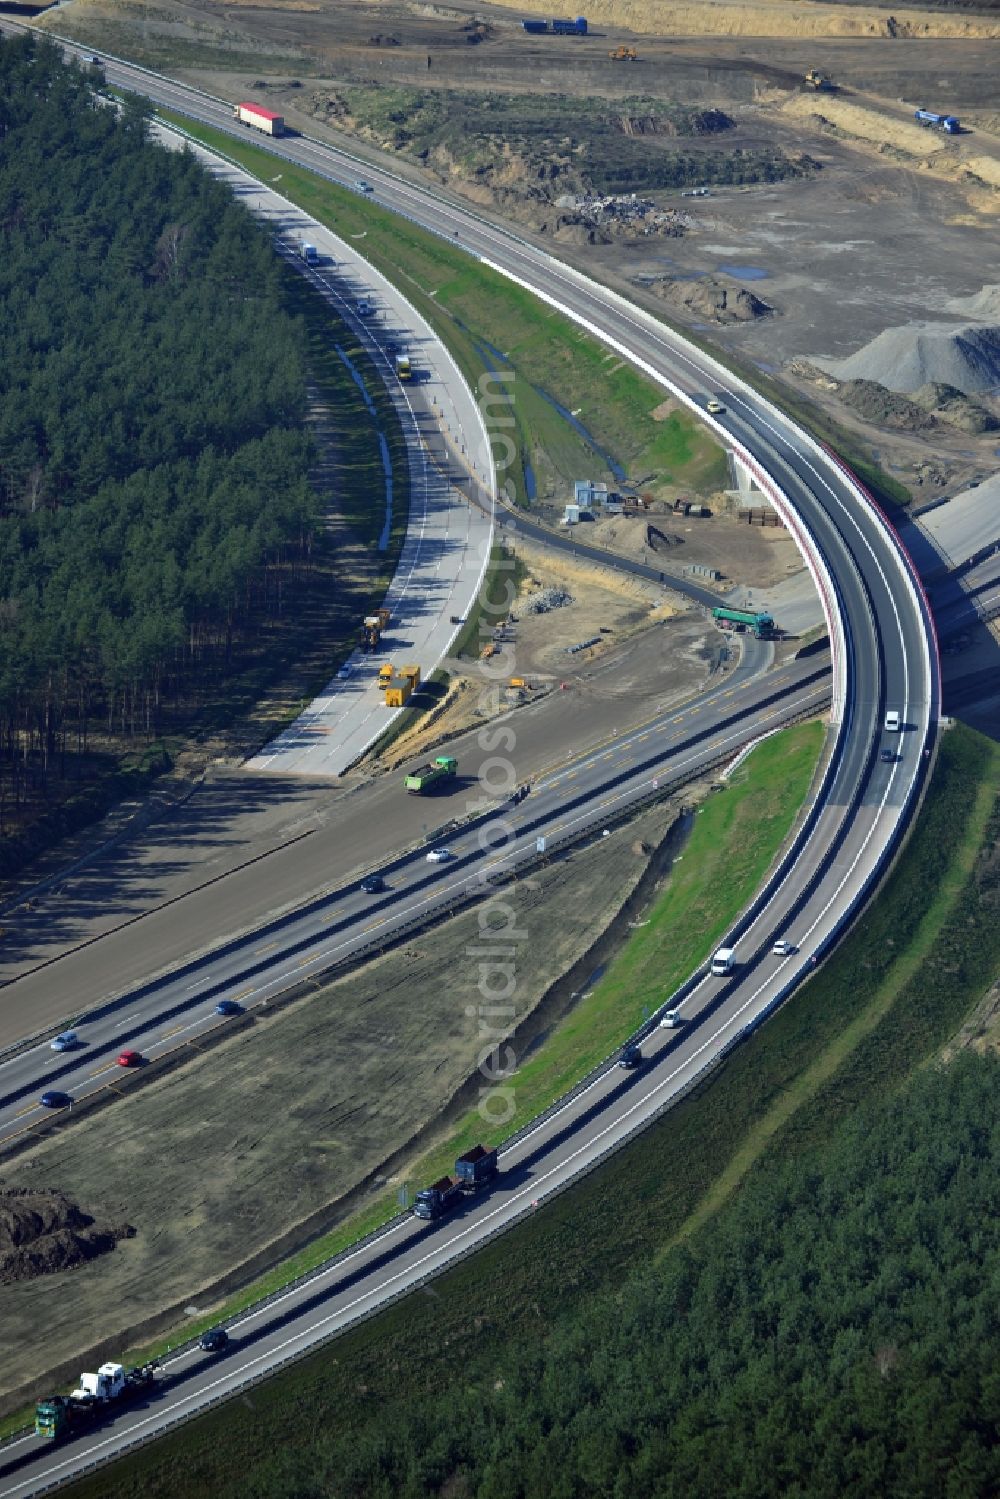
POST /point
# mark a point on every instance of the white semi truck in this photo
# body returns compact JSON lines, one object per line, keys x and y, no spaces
{"x":259,"y":119}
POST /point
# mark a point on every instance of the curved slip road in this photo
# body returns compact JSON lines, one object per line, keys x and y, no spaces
{"x":447,"y":542}
{"x":884,"y":655}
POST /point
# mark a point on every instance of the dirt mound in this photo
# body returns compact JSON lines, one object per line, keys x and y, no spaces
{"x":42,"y":1231}
{"x":951,"y":406}
{"x":884,"y":407}
{"x":923,"y":411}
{"x":904,"y":359}
{"x":573,"y":229}
{"x":687,"y":122}
{"x":709,"y":297}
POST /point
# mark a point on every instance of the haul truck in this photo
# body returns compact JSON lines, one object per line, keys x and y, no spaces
{"x":762,"y":625}
{"x":473,"y":1171}
{"x":435,"y":773}
{"x":259,"y":119}
{"x":948,"y":123}
{"x":373,"y":628}
{"x":60,"y":1416}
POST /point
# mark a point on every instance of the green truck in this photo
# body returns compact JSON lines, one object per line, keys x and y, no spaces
{"x":434,"y":774}
{"x":60,"y":1416}
{"x":761,"y":625}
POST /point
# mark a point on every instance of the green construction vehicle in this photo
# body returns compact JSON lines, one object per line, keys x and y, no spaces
{"x":434,"y":774}
{"x":761,"y":625}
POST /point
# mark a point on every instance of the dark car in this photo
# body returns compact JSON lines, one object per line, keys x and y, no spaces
{"x":887,"y":756}
{"x":373,"y":884}
{"x":215,"y":1340}
{"x":228,"y":1007}
{"x":55,"y":1100}
{"x":631,"y":1056}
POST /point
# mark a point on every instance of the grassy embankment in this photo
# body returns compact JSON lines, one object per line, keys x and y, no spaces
{"x":466,"y":303}
{"x":895,"y":991}
{"x":736,"y":838}
{"x":733,"y":841}
{"x":549,"y":353}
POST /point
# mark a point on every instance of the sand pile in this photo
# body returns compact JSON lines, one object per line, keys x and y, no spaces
{"x":904,"y":359}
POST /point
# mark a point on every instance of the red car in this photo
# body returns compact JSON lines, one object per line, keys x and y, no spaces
{"x":130,"y":1059}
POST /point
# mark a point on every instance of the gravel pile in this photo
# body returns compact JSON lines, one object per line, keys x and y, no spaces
{"x":904,"y":359}
{"x":544,"y":600}
{"x":985,"y":304}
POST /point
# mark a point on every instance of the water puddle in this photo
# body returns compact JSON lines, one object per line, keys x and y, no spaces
{"x":613,"y":465}
{"x":745,"y":272}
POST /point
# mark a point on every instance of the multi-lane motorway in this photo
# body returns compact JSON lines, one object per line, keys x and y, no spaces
{"x":167,"y":1013}
{"x":884,"y":656}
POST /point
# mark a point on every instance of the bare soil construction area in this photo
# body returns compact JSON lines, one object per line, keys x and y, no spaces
{"x":245,"y":1152}
{"x":637,"y":633}
{"x":830,"y":216}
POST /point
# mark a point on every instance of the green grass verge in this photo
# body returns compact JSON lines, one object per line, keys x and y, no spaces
{"x":466,"y":303}
{"x":546,"y":352}
{"x":893,"y":993}
{"x":733,"y":842}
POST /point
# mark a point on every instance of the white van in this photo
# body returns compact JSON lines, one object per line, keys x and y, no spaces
{"x":892,"y":722}
{"x":722,"y":963}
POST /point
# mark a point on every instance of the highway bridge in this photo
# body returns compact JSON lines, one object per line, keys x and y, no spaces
{"x":884,"y":656}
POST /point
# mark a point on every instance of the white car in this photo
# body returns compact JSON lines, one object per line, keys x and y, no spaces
{"x":439,"y":855}
{"x":671,"y":1020}
{"x":714,"y":407}
{"x":783,"y":948}
{"x":346,"y":670}
{"x":65,"y":1042}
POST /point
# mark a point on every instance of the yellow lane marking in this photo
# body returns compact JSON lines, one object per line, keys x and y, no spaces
{"x":29,"y":1110}
{"x":167,"y":1034}
{"x":268,"y":948}
{"x":102,"y":1070}
{"x":244,"y":992}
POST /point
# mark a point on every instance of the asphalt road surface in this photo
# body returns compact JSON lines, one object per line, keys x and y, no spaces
{"x":165,"y":1014}
{"x":242,"y":847}
{"x":884,"y":657}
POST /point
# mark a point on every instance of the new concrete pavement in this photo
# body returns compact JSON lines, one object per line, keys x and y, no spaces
{"x":447,"y":544}
{"x":884,"y":657}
